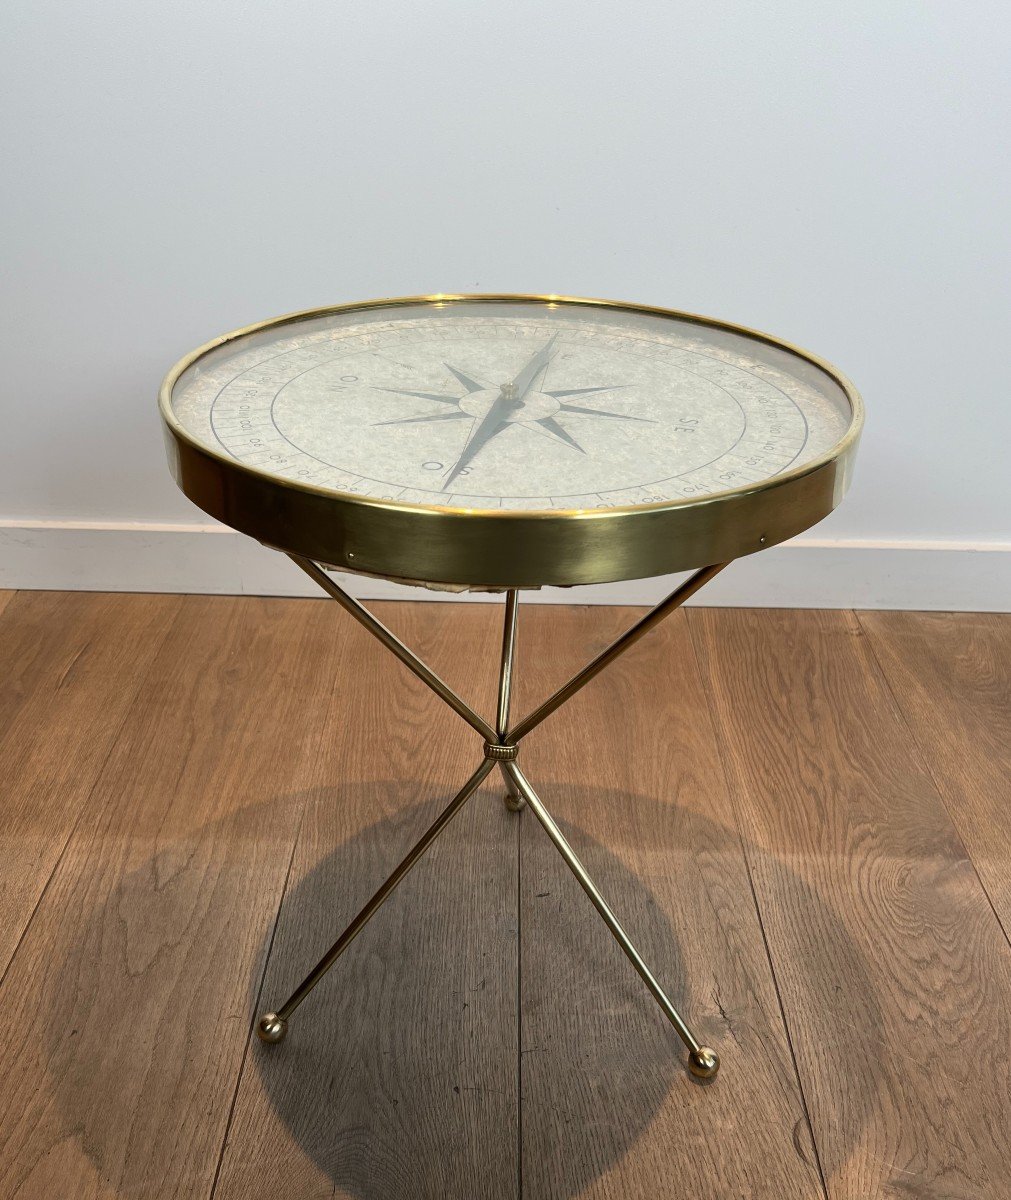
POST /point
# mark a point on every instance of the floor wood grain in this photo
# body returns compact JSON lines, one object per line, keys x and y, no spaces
{"x":893,"y":969}
{"x":72,"y":665}
{"x":608,"y":1108}
{"x":130,"y":990}
{"x":398,"y":1075}
{"x":798,"y":816}
{"x":950,"y":675}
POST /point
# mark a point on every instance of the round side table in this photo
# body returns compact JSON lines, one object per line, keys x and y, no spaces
{"x":506,"y":442}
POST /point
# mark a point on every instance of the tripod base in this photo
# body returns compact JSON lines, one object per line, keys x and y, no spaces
{"x":501,"y":748}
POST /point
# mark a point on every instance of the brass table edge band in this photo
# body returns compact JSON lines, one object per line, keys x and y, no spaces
{"x":509,"y":548}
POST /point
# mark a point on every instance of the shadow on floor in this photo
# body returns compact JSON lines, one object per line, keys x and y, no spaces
{"x":399,"y":1075}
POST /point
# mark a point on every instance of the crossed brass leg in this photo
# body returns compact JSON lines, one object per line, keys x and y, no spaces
{"x":501,"y":747}
{"x":701,"y":1060}
{"x":273,"y":1026}
{"x":513,"y":800}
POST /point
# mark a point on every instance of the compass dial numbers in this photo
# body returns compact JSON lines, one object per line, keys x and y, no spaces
{"x":510,"y":409}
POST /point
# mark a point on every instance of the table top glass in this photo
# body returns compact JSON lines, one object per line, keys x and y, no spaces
{"x":496,"y":405}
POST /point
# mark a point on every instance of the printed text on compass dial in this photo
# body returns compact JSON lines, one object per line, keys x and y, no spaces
{"x":517,"y":414}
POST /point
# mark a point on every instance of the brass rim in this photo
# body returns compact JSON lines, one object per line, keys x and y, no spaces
{"x":323,"y":523}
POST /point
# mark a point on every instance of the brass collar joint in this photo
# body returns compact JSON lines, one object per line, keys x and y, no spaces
{"x":500,"y":752}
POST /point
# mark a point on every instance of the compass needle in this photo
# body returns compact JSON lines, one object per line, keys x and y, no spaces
{"x":510,"y":400}
{"x":535,"y":368}
{"x":493,"y":422}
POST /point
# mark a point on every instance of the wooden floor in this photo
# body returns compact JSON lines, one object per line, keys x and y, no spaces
{"x":803,"y":818}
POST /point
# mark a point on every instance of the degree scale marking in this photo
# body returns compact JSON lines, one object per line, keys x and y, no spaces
{"x":328,"y":346}
{"x":644,"y":487}
{"x":647,"y":486}
{"x":650,"y":484}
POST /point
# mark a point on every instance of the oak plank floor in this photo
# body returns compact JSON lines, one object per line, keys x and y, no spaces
{"x":893,"y":969}
{"x":215,"y":784}
{"x":608,"y":1107}
{"x":398,"y":1075}
{"x":129,"y":991}
{"x":72,"y":664}
{"x":950,"y":675}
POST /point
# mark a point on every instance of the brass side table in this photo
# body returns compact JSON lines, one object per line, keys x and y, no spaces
{"x":504,"y":442}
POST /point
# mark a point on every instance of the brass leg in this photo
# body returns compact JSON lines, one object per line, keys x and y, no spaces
{"x":513,"y":800}
{"x":617,"y":647}
{"x":501,"y":746}
{"x":392,"y":643}
{"x":702,"y":1061}
{"x":273,"y":1026}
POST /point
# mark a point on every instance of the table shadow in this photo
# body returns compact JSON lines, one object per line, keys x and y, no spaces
{"x":629,"y":1057}
{"x":366,"y":1052}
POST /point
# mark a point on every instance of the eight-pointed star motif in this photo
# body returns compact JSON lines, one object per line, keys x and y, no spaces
{"x":493,"y":408}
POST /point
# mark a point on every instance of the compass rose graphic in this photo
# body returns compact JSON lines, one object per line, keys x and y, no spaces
{"x":493,"y":408}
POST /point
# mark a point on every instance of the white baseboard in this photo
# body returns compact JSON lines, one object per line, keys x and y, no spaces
{"x":804,"y":573}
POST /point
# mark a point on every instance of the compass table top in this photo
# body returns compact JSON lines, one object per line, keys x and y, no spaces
{"x":510,"y":441}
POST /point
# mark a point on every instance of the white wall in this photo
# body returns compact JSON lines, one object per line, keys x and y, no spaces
{"x":833,"y":173}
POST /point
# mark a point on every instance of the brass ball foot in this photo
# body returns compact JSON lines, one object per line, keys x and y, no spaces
{"x":271,"y":1028}
{"x":514,"y":803}
{"x":703,"y":1063}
